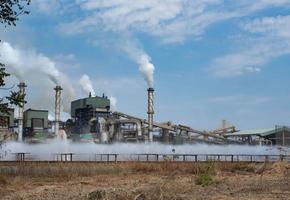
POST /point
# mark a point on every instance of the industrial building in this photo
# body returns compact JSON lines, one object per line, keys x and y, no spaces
{"x":91,"y":119}
{"x":279,"y":135}
{"x":35,"y":121}
{"x":87,"y":112}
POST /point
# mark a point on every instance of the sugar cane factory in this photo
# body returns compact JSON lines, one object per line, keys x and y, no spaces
{"x":92,"y":120}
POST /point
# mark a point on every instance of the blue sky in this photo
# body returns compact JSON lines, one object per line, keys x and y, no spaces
{"x":214,"y":59}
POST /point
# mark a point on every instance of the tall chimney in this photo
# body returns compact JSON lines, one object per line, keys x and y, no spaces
{"x":22,"y":87}
{"x":224,"y":124}
{"x":150,"y":112}
{"x":58,"y":90}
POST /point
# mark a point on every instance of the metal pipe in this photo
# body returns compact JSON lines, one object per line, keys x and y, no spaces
{"x":150,"y":112}
{"x":57,"y":109}
{"x":21,"y":111}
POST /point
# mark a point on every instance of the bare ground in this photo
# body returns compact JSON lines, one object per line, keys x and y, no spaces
{"x":142,"y":181}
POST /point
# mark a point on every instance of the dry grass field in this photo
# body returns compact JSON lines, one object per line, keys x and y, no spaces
{"x":142,"y":181}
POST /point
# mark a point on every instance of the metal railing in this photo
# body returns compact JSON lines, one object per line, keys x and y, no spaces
{"x":70,"y":157}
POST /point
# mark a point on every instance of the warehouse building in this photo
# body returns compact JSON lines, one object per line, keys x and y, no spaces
{"x":86,"y":113}
{"x":279,"y":135}
{"x":35,"y":122}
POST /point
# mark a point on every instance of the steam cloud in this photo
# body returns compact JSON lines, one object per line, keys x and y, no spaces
{"x":80,"y":149}
{"x":147,"y":69}
{"x":19,"y":61}
{"x":33,"y":67}
{"x":113,"y":101}
{"x":137,"y":54}
{"x":87,"y":85}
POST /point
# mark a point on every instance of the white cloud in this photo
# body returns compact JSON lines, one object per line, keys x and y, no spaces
{"x":270,"y":38}
{"x":276,"y":27}
{"x":171,"y":20}
{"x":46,"y":6}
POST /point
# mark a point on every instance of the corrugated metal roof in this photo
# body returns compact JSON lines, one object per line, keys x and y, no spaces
{"x":251,"y":132}
{"x":276,"y":130}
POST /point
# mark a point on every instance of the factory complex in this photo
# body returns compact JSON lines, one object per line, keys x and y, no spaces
{"x":93,"y":120}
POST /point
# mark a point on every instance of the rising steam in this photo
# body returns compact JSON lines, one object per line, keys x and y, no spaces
{"x":35,"y":68}
{"x":137,"y":54}
{"x":81,"y":150}
{"x":113,"y":101}
{"x":19,"y":61}
{"x":87,"y":85}
{"x":147,"y":69}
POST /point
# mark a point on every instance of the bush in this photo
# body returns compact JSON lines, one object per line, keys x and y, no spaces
{"x":203,"y":180}
{"x":97,"y":195}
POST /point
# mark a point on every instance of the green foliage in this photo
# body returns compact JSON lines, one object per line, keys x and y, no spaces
{"x":3,"y":75}
{"x":11,"y":9}
{"x":16,"y":99}
{"x":204,"y":180}
{"x":204,"y":177}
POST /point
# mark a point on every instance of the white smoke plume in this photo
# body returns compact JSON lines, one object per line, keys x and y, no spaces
{"x":34,"y":68}
{"x":20,"y":61}
{"x":87,"y":85}
{"x":147,"y":69}
{"x":113,"y":101}
{"x":137,"y":54}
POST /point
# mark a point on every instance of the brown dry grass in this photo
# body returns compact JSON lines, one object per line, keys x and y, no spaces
{"x":52,"y":169}
{"x":133,"y":180}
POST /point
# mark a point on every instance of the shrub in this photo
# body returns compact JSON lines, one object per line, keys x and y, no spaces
{"x":203,"y":180}
{"x":96,"y":195}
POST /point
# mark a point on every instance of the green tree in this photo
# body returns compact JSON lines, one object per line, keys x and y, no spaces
{"x":10,"y":10}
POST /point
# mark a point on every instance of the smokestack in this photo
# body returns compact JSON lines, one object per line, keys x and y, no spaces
{"x":224,"y":124}
{"x":58,"y":90}
{"x":22,"y":87}
{"x":150,"y":112}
